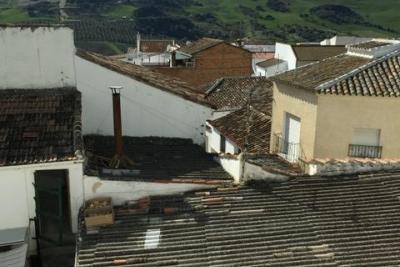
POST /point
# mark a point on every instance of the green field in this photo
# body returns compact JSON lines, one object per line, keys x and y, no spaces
{"x":13,"y":15}
{"x":103,"y":23}
{"x":384,"y":13}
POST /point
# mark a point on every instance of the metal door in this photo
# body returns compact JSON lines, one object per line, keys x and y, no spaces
{"x":49,"y":198}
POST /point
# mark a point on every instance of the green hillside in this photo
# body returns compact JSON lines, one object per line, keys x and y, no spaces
{"x":265,"y":20}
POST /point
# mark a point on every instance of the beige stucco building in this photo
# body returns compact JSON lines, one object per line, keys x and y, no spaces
{"x":343,"y":108}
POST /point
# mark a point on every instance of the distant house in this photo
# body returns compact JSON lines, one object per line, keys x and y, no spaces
{"x":151,"y":51}
{"x":260,"y":53}
{"x":289,"y":57}
{"x":341,"y":108}
{"x":206,"y":60}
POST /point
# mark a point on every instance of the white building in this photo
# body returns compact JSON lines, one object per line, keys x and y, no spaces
{"x":152,"y":104}
{"x":151,"y":52}
{"x":49,"y":49}
{"x":40,"y":134}
{"x":238,"y":127}
{"x":288,"y":57}
{"x":41,"y":166}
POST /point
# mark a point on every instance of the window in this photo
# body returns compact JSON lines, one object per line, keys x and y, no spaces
{"x":365,"y":143}
{"x":366,"y":136}
{"x":222,"y":144}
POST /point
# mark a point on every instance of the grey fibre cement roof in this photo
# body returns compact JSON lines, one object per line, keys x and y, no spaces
{"x":337,"y":221}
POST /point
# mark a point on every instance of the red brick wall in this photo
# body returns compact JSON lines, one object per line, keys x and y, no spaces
{"x":219,"y":61}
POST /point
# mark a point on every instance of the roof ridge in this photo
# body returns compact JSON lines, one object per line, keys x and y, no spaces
{"x":357,"y":70}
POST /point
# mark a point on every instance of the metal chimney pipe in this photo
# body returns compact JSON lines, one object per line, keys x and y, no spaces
{"x":119,"y":146}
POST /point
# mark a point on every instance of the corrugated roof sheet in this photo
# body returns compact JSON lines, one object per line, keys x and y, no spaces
{"x":39,"y":125}
{"x":337,"y":221}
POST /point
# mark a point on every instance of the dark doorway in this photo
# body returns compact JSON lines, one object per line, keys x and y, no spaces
{"x":52,"y":206}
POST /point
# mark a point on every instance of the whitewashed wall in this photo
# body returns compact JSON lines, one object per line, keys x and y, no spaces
{"x":146,"y":111}
{"x":213,"y":140}
{"x":17,"y":193}
{"x":122,"y":191}
{"x":37,"y":57}
{"x":286,"y":53}
{"x":233,"y":166}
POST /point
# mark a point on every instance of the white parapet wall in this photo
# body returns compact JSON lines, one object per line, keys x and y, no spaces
{"x":349,"y":166}
{"x":232,"y":165}
{"x":36,"y":57}
{"x":122,"y":191}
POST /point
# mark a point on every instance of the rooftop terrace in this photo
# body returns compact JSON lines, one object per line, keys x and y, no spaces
{"x":156,"y":159}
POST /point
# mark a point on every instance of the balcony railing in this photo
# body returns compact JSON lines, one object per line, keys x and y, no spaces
{"x":363,"y":151}
{"x":287,"y":150}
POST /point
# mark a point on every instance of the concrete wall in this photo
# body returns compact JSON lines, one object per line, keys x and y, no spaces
{"x":338,"y":116}
{"x":17,"y":193}
{"x":276,"y":69}
{"x":122,"y":191}
{"x":302,"y":104}
{"x":219,"y":61}
{"x":146,"y":111}
{"x":214,"y":142}
{"x":36,"y":57}
{"x":285,"y":52}
{"x":255,"y":172}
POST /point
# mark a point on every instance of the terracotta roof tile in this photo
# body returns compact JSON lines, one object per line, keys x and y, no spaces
{"x":313,"y":75}
{"x":370,"y":44}
{"x":199,"y":45}
{"x":269,"y":62}
{"x":39,"y":125}
{"x":233,"y":92}
{"x":154,"y":46}
{"x":250,"y":126}
{"x":316,"y":52}
{"x":380,"y":77}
